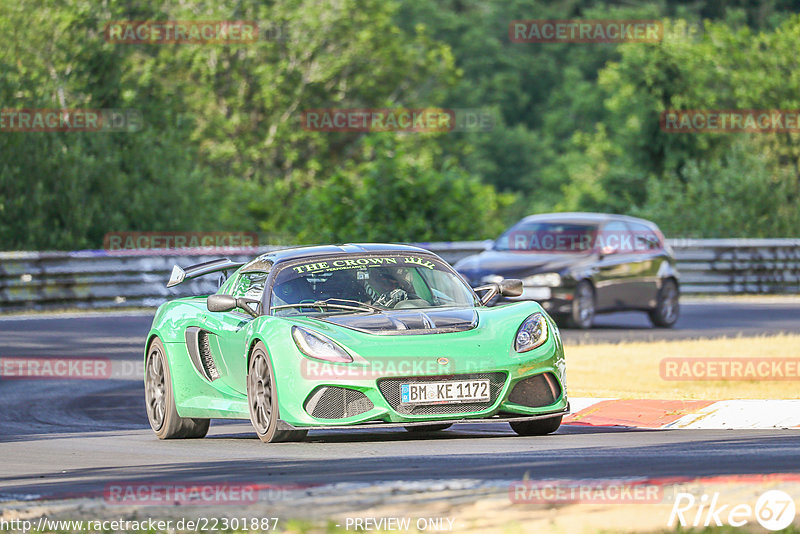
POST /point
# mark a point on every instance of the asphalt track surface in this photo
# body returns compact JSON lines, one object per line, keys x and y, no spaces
{"x":62,"y":437}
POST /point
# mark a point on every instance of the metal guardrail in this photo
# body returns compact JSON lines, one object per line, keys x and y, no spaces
{"x":737,"y":266}
{"x":99,"y":279}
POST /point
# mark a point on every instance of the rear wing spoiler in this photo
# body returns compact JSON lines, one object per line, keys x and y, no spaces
{"x":179,"y":275}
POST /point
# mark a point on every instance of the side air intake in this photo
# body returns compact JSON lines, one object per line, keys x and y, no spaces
{"x":536,"y":392}
{"x":205,"y":355}
{"x":198,"y":343}
{"x":332,"y":402}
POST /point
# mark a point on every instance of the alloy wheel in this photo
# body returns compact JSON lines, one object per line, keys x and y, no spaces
{"x":260,"y":389}
{"x":155,"y":395}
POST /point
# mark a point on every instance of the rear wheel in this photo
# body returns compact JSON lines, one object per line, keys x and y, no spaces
{"x":583,"y":306}
{"x":536,"y":427}
{"x":665,"y":314}
{"x":429,"y":428}
{"x":160,"y":400}
{"x":262,"y":399}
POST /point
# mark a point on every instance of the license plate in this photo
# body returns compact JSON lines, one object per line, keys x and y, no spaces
{"x":452,"y":391}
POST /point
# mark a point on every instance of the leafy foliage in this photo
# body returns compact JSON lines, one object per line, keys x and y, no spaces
{"x":222,"y":147}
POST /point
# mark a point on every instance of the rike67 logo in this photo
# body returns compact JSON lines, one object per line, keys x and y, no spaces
{"x":774,"y":510}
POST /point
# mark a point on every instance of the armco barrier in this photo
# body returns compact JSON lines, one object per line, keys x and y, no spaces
{"x":99,"y":279}
{"x":738,"y":265}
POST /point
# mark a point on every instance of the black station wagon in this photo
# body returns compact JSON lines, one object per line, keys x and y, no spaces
{"x":579,"y":264}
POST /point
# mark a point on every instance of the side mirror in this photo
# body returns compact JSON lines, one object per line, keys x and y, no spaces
{"x":220,"y":303}
{"x":511,"y":287}
{"x":223,"y":303}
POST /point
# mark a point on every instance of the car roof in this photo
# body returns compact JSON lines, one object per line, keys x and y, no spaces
{"x":585,"y":217}
{"x":297,"y":253}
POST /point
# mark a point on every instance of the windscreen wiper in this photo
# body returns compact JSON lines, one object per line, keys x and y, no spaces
{"x":359,"y":306}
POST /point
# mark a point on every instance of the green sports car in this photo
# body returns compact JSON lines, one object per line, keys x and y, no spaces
{"x":365,"y":336}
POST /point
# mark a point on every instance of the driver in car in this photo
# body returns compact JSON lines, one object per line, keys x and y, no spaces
{"x":386,"y":287}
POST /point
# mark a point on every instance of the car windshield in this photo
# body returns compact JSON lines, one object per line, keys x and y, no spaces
{"x":547,"y":237}
{"x":367,"y":284}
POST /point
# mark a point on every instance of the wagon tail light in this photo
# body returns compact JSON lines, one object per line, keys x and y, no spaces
{"x":320,"y":347}
{"x":532,"y":333}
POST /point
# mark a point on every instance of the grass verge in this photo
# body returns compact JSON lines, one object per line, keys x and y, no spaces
{"x":632,"y":370}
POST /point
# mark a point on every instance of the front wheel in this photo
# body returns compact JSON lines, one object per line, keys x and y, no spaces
{"x":583,"y":306}
{"x":665,"y":314}
{"x":536,"y":427}
{"x":262,"y":399}
{"x":160,"y":400}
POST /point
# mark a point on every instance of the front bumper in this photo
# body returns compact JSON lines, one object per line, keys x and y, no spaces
{"x":530,"y":384}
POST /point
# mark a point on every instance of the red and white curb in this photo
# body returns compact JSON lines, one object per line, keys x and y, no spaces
{"x":686,"y":414}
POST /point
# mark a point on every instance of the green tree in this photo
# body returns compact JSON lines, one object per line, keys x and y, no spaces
{"x":395,"y":194}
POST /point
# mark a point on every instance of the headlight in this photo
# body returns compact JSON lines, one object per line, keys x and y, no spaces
{"x":317,"y":346}
{"x":545,"y":279}
{"x":532,"y":333}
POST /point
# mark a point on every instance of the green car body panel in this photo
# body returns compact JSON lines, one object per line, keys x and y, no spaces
{"x":486,"y":348}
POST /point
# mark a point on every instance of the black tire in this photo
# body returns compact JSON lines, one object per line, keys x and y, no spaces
{"x":262,"y":400}
{"x":429,"y":428}
{"x":583,"y":306}
{"x":667,"y":309}
{"x":160,"y":400}
{"x":536,"y":427}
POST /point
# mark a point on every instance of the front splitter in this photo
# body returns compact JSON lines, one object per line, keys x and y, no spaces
{"x":283,"y":425}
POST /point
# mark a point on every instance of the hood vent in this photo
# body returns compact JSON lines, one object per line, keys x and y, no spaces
{"x":409,"y":322}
